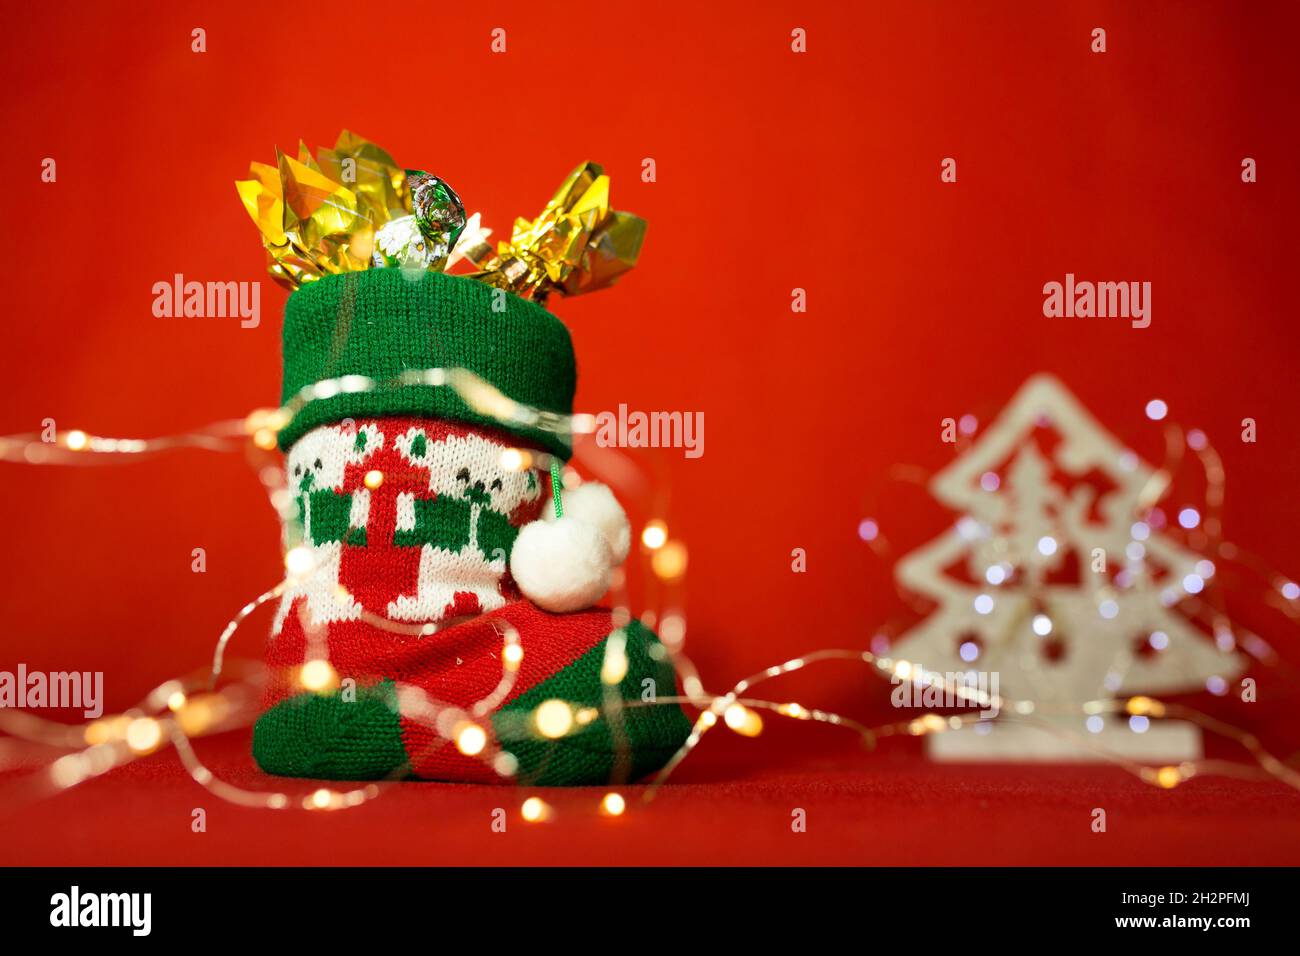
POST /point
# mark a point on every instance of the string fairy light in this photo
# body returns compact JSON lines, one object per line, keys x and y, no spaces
{"x":613,"y":804}
{"x":535,"y":809}
{"x":179,"y":711}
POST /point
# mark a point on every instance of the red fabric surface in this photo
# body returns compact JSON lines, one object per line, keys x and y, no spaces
{"x":731,"y":805}
{"x":775,"y":171}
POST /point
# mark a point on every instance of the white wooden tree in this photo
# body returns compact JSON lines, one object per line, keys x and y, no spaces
{"x":1050,"y":579}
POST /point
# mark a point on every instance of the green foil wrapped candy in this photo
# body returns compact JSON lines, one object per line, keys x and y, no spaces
{"x":424,"y":239}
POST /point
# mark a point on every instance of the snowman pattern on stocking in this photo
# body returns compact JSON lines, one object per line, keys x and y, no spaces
{"x":464,"y":523}
{"x":326,"y":518}
{"x":417,"y":520}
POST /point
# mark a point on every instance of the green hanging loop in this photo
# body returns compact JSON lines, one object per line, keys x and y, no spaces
{"x":555,"y":486}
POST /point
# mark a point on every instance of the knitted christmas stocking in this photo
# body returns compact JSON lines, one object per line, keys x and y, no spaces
{"x":413,"y":521}
{"x":439,"y":628}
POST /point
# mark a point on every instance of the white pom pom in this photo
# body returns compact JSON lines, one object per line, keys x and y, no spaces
{"x":561,"y":565}
{"x":594,"y":504}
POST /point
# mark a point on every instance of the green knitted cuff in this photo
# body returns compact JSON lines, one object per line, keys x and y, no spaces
{"x":379,"y":323}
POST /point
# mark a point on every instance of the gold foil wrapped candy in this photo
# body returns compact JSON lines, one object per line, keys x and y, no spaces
{"x":423,"y":240}
{"x":578,"y":244}
{"x":319,"y":217}
{"x":378,"y":179}
{"x":325,"y":215}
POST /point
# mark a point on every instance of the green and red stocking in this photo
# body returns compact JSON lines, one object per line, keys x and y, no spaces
{"x":447,"y":597}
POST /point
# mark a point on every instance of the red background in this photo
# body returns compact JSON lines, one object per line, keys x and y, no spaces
{"x":775,"y":171}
